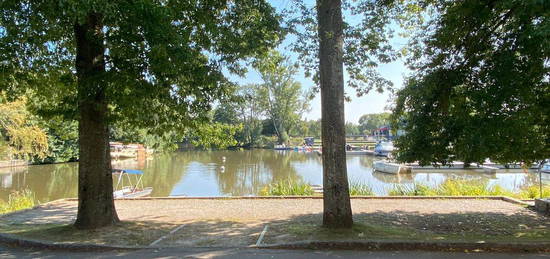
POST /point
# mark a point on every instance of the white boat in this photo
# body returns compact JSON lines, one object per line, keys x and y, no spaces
{"x":391,"y":168}
{"x":383,"y":148}
{"x":127,"y":187}
{"x":282,"y":147}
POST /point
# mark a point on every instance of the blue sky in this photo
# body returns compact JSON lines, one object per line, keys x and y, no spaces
{"x":373,"y":102}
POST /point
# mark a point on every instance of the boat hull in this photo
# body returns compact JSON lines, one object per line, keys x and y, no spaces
{"x":136,"y":194}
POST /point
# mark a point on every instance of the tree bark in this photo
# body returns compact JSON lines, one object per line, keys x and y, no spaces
{"x":337,"y":208}
{"x":95,"y":185}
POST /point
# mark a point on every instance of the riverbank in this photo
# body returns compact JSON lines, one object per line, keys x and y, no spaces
{"x":239,"y":222}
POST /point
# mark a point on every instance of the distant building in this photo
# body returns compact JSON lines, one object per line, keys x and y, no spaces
{"x":386,"y":132}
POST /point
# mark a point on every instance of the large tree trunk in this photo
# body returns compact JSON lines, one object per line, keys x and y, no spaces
{"x":337,"y":207}
{"x":95,"y":185}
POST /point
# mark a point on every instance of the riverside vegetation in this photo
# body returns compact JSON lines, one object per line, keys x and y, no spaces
{"x":289,"y":187}
{"x":19,"y":200}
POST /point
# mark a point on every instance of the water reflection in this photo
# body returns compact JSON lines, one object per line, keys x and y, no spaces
{"x":236,"y":173}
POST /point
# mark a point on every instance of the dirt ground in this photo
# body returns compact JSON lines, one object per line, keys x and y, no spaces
{"x":239,"y":222}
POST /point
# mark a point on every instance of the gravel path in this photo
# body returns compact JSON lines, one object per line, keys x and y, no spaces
{"x":239,"y":222}
{"x":181,"y":210}
{"x":279,"y":209}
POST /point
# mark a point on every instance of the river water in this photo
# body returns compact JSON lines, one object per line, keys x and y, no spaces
{"x":243,"y":173}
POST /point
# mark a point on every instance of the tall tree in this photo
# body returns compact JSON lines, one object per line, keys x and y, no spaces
{"x":337,"y":206}
{"x":366,"y":42}
{"x":482,"y":85}
{"x":20,"y":137}
{"x":154,"y":64}
{"x":370,"y":122}
{"x":280,"y":95}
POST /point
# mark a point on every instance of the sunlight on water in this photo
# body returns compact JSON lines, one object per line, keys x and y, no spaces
{"x":242,"y":173}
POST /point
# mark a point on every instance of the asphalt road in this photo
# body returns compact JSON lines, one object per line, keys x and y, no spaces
{"x":244,"y":253}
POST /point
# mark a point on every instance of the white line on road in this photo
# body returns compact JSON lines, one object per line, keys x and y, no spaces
{"x":165,"y":236}
{"x":261,"y":236}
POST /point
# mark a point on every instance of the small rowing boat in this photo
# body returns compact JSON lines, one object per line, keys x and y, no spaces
{"x":126,"y":187}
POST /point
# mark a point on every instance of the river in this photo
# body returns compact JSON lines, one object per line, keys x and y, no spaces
{"x":243,"y":173}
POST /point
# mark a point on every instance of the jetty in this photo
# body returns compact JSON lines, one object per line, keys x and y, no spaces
{"x":389,"y":167}
{"x":352,"y":152}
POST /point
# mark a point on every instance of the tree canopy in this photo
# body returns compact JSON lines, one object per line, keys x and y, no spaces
{"x":370,"y":122}
{"x":481,"y":89}
{"x":152,"y":64}
{"x":167,"y":57}
{"x":20,"y":137}
{"x":279,"y":95}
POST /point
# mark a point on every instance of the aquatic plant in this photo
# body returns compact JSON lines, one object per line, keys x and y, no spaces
{"x":470,"y":188}
{"x":287,"y":187}
{"x":533,"y":192}
{"x":417,"y":189}
{"x":357,"y":188}
{"x":18,"y":200}
{"x":451,"y":187}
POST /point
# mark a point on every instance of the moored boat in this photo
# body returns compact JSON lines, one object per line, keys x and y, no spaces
{"x":383,"y":148}
{"x":127,"y":187}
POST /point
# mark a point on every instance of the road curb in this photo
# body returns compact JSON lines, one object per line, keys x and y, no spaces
{"x":14,"y":241}
{"x":372,"y":245}
{"x":408,"y":245}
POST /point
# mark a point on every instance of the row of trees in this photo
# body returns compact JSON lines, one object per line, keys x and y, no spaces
{"x":481,"y":75}
{"x":274,"y":106}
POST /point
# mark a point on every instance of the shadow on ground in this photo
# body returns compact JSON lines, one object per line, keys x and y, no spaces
{"x":238,"y":223}
{"x":393,"y":225}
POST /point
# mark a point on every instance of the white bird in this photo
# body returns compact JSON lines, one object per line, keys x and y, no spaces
{"x":223,"y":159}
{"x":222,"y":168}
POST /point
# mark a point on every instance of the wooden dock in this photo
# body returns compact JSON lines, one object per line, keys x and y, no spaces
{"x":395,"y":168}
{"x":352,"y":152}
{"x":13,"y":163}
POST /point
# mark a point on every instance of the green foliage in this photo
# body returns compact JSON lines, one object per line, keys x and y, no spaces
{"x":244,"y":112}
{"x":164,"y":61}
{"x":370,"y":122}
{"x":533,"y":192}
{"x":451,"y":187}
{"x":62,"y":140}
{"x":280,"y":96}
{"x":357,"y":188}
{"x":352,"y":129}
{"x":127,"y":133}
{"x":18,"y":200}
{"x":414,"y":190}
{"x":368,"y":31}
{"x":215,"y":135}
{"x":21,"y":138}
{"x":287,"y":187}
{"x":481,"y":89}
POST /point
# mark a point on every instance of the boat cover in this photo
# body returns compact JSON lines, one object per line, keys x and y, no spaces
{"x":128,"y":171}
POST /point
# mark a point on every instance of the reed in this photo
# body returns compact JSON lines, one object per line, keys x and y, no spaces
{"x":451,"y":188}
{"x":18,"y":200}
{"x":533,"y":192}
{"x":358,"y":188}
{"x":287,"y":187}
{"x":416,"y":189}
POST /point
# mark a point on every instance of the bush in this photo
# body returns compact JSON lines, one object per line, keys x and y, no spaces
{"x":533,"y":192}
{"x":17,"y":201}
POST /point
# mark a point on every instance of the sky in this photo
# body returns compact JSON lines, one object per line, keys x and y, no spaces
{"x":373,"y":102}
